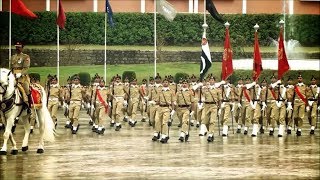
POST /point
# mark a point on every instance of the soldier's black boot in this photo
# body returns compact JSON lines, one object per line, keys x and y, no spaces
{"x":118,"y":128}
{"x":288,"y":131}
{"x":210,"y":138}
{"x":271,"y":133}
{"x":312,"y":131}
{"x":261,"y":130}
{"x":298,"y":133}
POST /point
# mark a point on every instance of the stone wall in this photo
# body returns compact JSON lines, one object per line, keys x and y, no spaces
{"x":96,"y":57}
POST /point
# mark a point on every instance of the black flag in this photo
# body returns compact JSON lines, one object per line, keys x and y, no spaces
{"x":213,"y":11}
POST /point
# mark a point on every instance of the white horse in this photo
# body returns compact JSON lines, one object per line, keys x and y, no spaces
{"x":11,"y":107}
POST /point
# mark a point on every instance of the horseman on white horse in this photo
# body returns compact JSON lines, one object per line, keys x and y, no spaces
{"x":14,"y":92}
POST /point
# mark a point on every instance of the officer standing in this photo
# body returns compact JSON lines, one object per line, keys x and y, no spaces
{"x":20,"y":64}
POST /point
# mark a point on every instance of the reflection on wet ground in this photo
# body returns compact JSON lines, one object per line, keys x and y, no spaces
{"x":130,"y":154}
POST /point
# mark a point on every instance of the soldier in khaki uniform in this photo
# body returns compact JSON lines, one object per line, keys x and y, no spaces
{"x":143,"y":102}
{"x":237,"y":91}
{"x":184,"y":103}
{"x":225,"y":108}
{"x":247,"y":106}
{"x":300,"y":101}
{"x":101,"y":106}
{"x":290,"y":97}
{"x":74,"y":97}
{"x":211,"y":95}
{"x":91,"y":98}
{"x":119,"y":99}
{"x":194,"y":87}
{"x":55,"y":94}
{"x":165,"y":100}
{"x":125,"y":105}
{"x":265,"y":91}
{"x":313,"y":97}
{"x":20,"y":64}
{"x":154,"y":91}
{"x":133,"y":102}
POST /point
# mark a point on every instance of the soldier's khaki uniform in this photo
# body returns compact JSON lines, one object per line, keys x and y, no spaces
{"x":77,"y":92}
{"x":184,"y":99}
{"x":133,"y":102}
{"x":299,"y":106}
{"x":246,"y":109}
{"x":173,"y":87}
{"x":20,"y":63}
{"x":237,"y":91}
{"x":119,"y":96}
{"x":195,"y":93}
{"x":154,"y":91}
{"x":290,"y":98}
{"x":313,"y":95}
{"x":101,"y":105}
{"x":55,"y":94}
{"x":212,"y":96}
{"x":269,"y":113}
{"x":165,"y":99}
{"x":227,"y":96}
{"x":143,"y":101}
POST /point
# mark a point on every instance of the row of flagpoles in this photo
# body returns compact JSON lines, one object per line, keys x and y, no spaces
{"x":168,"y":11}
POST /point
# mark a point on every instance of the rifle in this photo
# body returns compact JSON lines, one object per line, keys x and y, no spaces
{"x":66,"y":111}
{"x":90,"y":101}
{"x":292,"y":116}
{"x":48,"y":88}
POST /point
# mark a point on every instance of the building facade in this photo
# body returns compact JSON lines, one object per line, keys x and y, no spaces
{"x":182,"y":6}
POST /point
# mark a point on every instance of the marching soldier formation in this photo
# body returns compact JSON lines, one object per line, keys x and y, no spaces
{"x":250,"y":105}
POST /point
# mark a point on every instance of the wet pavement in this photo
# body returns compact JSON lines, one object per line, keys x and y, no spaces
{"x":130,"y":154}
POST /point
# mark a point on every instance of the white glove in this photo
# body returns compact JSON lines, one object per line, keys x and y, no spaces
{"x":239,"y":105}
{"x":219,"y":112}
{"x":233,"y":106}
{"x":152,"y":102}
{"x":222,"y":104}
{"x":172,"y":112}
{"x":222,"y":82}
{"x":125,"y":103}
{"x":200,"y":105}
{"x":308,"y":108}
{"x":264,"y":106}
{"x":278,"y":103}
{"x":253,"y":105}
{"x":318,"y":108}
{"x":109,"y":104}
{"x":289,"y":107}
{"x":92,"y":107}
{"x":146,"y":98}
{"x":65,"y":105}
{"x":88,"y":105}
{"x":310,"y":103}
{"x":192,"y":112}
{"x":18,"y":75}
{"x":200,"y":84}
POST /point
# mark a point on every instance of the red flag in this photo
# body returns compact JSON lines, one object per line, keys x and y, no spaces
{"x":283,"y":65}
{"x":257,"y":64}
{"x":61,"y":19}
{"x":227,"y":67}
{"x":19,"y":8}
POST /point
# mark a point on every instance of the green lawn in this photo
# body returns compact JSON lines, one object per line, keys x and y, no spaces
{"x":141,"y":70}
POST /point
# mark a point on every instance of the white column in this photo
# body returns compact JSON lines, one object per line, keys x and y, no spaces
{"x":244,"y":6}
{"x":190,"y":6}
{"x":95,"y":5}
{"x":0,"y":5}
{"x":291,"y":7}
{"x":143,"y":6}
{"x":47,"y":5}
{"x":195,"y":6}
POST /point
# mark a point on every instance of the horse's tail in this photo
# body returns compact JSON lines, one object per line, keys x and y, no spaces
{"x":49,"y":131}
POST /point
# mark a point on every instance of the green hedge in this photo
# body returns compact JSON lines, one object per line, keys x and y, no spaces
{"x":137,"y":29}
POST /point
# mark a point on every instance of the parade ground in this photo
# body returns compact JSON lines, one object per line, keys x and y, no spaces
{"x":131,"y":154}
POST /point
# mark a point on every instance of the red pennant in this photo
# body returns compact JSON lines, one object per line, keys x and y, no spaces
{"x":61,"y":19}
{"x":257,"y":63}
{"x":283,"y":65}
{"x":303,"y":98}
{"x":102,"y":101}
{"x":19,"y":8}
{"x":227,"y":67}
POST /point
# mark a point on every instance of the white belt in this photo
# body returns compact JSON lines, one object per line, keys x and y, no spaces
{"x":53,"y":99}
{"x":75,"y":101}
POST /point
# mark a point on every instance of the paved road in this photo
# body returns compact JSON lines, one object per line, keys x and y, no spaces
{"x":130,"y":154}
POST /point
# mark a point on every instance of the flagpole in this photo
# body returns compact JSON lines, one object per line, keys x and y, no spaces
{"x":105,"y":46}
{"x":155,"y":37}
{"x":58,"y":46}
{"x":9,"y":35}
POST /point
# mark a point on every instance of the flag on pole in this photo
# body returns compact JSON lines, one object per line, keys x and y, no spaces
{"x":227,"y":67}
{"x":257,"y":63}
{"x":166,"y":9}
{"x":213,"y":11}
{"x":110,"y":13}
{"x":19,"y":8}
{"x":61,"y":19}
{"x":283,"y":65}
{"x":205,"y":58}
